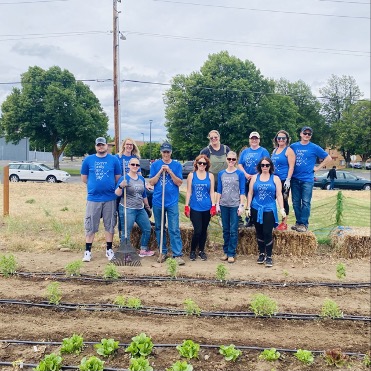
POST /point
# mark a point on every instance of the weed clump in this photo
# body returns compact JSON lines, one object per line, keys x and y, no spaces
{"x":330,"y":309}
{"x":8,"y":265}
{"x":263,"y":305}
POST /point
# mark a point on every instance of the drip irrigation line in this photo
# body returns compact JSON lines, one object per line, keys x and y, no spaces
{"x":98,"y":307}
{"x":32,"y":365}
{"x":146,"y":279}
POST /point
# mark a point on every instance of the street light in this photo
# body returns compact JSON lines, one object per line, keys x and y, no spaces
{"x":143,"y":137}
{"x":150,"y":139}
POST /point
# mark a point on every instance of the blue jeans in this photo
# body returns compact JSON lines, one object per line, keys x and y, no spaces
{"x":332,"y":183}
{"x":172,"y":215}
{"x":230,"y":229}
{"x":140,"y":217}
{"x":301,"y":193}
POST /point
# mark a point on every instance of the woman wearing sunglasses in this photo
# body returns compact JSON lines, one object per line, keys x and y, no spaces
{"x":137,"y":208}
{"x":199,"y":204}
{"x":230,"y":199}
{"x":283,"y":158}
{"x":264,"y":189}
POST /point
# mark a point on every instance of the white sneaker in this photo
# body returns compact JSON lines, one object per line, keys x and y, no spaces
{"x":87,"y":256}
{"x":110,"y":254}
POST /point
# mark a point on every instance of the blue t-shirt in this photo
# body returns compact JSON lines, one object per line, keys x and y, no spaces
{"x":101,"y":172}
{"x":306,"y":156}
{"x":281,"y":163}
{"x":200,"y":198}
{"x":124,"y":162}
{"x":230,"y":187}
{"x":249,"y":159}
{"x":171,"y":189}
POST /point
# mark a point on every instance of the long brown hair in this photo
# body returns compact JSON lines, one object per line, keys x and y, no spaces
{"x":271,"y":167}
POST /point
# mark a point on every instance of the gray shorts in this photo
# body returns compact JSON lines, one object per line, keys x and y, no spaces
{"x":97,"y":210}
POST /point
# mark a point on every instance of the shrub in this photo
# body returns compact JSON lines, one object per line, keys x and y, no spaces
{"x":262,"y":305}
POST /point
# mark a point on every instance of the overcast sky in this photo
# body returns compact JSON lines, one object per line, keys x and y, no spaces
{"x":305,"y":40}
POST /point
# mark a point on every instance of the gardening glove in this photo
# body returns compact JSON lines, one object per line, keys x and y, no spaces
{"x":283,"y":213}
{"x":213,"y":210}
{"x":240,"y":210}
{"x":148,"y":211}
{"x":248,"y":212}
{"x":187,"y":211}
{"x":286,"y":185}
{"x":217,"y":208}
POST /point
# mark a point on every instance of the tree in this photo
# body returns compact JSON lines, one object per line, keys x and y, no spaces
{"x":53,"y":110}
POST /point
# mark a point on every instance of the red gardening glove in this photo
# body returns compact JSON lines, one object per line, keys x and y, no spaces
{"x":187,"y":211}
{"x":213,"y":210}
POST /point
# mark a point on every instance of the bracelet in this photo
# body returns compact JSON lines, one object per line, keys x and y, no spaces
{"x":120,"y":186}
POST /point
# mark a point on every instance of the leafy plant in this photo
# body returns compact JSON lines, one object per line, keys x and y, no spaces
{"x":54,"y":293}
{"x":340,"y":271}
{"x":106,"y":347}
{"x":17,"y":365}
{"x":335,"y":357}
{"x":64,"y":208}
{"x":8,"y":265}
{"x":367,"y":359}
{"x":141,"y":346}
{"x":188,"y":349}
{"x":180,"y":366}
{"x":172,"y":267}
{"x":263,"y":305}
{"x":304,"y":356}
{"x":74,"y":344}
{"x":134,"y":303}
{"x":73,"y":268}
{"x":221,"y":272}
{"x":51,"y":362}
{"x":191,"y":307}
{"x":270,"y":355}
{"x":331,"y":309}
{"x":139,"y":364}
{"x":110,"y":272}
{"x":91,"y":364}
{"x":120,"y":301}
{"x":229,"y":352}
{"x":339,"y":208}
{"x":285,"y":273}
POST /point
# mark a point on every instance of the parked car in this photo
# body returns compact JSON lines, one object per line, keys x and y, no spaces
{"x":368,"y":166}
{"x":345,"y":180}
{"x":23,"y":171}
{"x":356,"y":165}
{"x":145,"y":166}
{"x":187,"y":167}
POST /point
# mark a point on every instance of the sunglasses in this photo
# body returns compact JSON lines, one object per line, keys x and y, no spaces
{"x":213,"y":137}
{"x":254,"y":138}
{"x":165,"y":151}
{"x":265,"y":165}
{"x":281,"y":138}
{"x":202,"y":163}
{"x":137,"y":165}
{"x":129,"y":144}
{"x":231,"y":159}
{"x":307,"y":133}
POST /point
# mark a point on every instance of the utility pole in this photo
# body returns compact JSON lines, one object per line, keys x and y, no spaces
{"x":150,"y":139}
{"x":116,"y":76}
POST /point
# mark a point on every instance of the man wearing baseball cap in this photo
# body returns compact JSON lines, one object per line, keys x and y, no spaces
{"x":173,"y":180}
{"x":302,"y":180}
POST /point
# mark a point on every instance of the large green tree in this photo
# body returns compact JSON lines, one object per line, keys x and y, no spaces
{"x":229,"y":95}
{"x":53,"y":110}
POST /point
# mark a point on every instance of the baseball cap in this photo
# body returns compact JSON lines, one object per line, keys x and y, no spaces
{"x":166,"y":147}
{"x":307,"y":128}
{"x":254,"y":134}
{"x":100,"y":140}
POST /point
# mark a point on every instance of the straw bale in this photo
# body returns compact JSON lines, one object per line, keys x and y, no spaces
{"x":351,"y":243}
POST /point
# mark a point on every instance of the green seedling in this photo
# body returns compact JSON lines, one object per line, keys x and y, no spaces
{"x":51,"y":362}
{"x":74,"y":344}
{"x":106,"y":347}
{"x":269,"y":355}
{"x":191,"y":308}
{"x":134,"y":303}
{"x":188,"y":349}
{"x":367,"y":359}
{"x":172,"y":267}
{"x":91,"y":364}
{"x":139,"y":364}
{"x":304,"y":356}
{"x":64,"y":208}
{"x":54,"y":293}
{"x":73,"y":268}
{"x":221,"y":272}
{"x":285,"y":273}
{"x":263,"y":305}
{"x":120,"y":301}
{"x":141,"y":346}
{"x":110,"y":272}
{"x":229,"y":352}
{"x":335,"y":357}
{"x":17,"y":365}
{"x":8,"y":265}
{"x":340,"y":271}
{"x":30,"y":201}
{"x":180,"y":366}
{"x":330,"y":309}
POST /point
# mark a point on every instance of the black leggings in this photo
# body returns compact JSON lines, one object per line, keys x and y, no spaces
{"x":264,"y":232}
{"x":200,"y":221}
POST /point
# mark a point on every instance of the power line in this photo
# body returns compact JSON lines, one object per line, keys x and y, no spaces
{"x":33,"y":2}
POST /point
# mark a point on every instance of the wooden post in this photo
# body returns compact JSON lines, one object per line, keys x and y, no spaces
{"x":6,"y":191}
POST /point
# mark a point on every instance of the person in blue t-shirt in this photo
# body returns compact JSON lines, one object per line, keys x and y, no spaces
{"x":173,"y":180}
{"x":100,"y":172}
{"x":303,"y":177}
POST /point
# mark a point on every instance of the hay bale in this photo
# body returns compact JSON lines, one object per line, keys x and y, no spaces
{"x":351,"y":243}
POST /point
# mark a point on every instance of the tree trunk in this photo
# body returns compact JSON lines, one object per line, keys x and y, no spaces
{"x":346,"y":155}
{"x":56,"y":153}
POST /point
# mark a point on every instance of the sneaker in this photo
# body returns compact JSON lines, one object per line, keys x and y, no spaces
{"x":179,"y":260}
{"x":261,"y":258}
{"x":162,"y":258}
{"x":282,"y":227}
{"x":231,"y":259}
{"x":192,"y":255}
{"x":144,"y":253}
{"x":87,"y":256}
{"x":268,"y":262}
{"x":110,"y":254}
{"x":224,"y":258}
{"x":294,"y":227}
{"x":202,"y":255}
{"x":301,"y":228}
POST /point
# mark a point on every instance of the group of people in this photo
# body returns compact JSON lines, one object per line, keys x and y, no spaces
{"x":222,"y":183}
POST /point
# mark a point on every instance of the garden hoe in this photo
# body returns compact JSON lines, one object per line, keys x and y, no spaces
{"x":126,"y":254}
